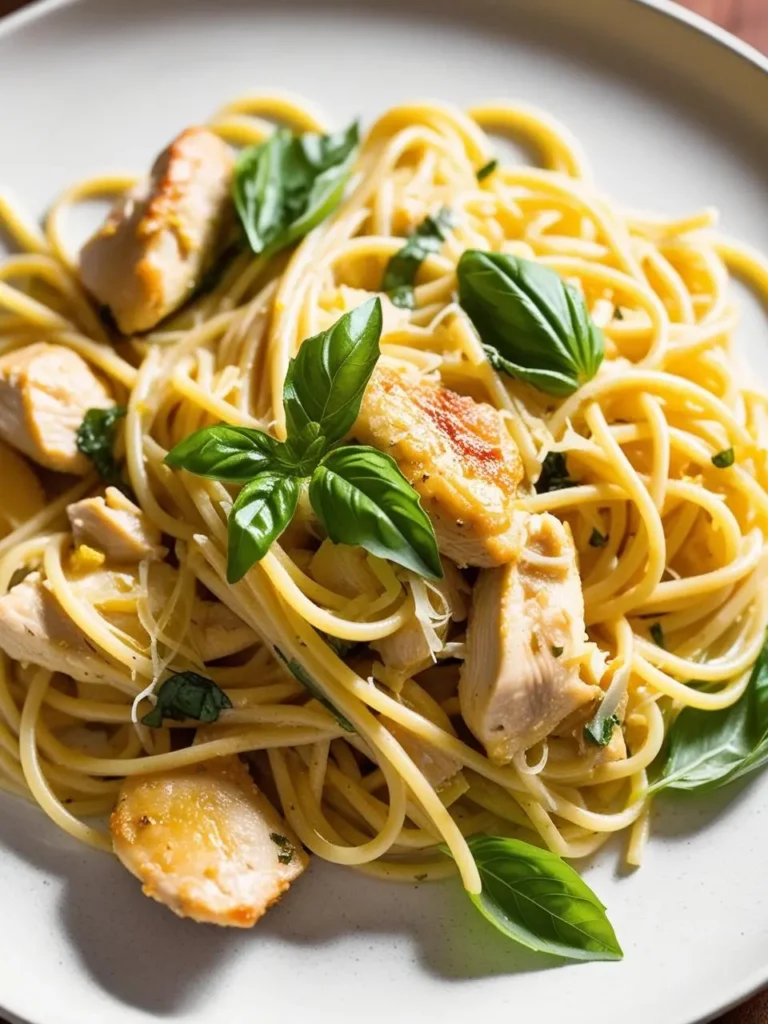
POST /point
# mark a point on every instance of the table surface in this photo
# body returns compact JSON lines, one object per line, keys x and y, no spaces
{"x":749,"y":20}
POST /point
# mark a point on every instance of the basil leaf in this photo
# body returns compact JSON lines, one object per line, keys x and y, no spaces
{"x":224,"y":452}
{"x":597,"y":539}
{"x":554,"y":474}
{"x":425,"y":239}
{"x":263,"y":509}
{"x":361,"y":497}
{"x":299,"y":673}
{"x":326,"y":380}
{"x":304,"y":450}
{"x":600,"y":730}
{"x":288,"y":184}
{"x":537,"y":324}
{"x":724,"y":459}
{"x":536,"y":899}
{"x":487,"y":169}
{"x":187,"y":695}
{"x":96,"y":439}
{"x":707,"y":750}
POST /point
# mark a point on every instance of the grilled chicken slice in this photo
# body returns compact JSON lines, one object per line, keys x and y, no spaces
{"x":115,"y":526}
{"x":525,"y":640}
{"x":158,"y":240}
{"x":458,"y":455}
{"x":45,"y":391}
{"x":35,"y":628}
{"x":206,"y":842}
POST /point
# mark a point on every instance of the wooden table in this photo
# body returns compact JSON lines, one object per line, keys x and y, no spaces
{"x":748,"y":19}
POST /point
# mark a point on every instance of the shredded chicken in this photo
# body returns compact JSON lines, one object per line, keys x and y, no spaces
{"x":45,"y":391}
{"x":149,"y":255}
{"x":458,"y":455}
{"x":115,"y":526}
{"x":206,"y":842}
{"x":525,"y":640}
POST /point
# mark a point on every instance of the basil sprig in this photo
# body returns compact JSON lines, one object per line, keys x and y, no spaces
{"x":426,"y":239}
{"x":187,"y":695}
{"x":707,"y":750}
{"x":359,"y":494}
{"x":96,"y":438}
{"x":533,"y":325}
{"x":536,"y":899}
{"x":288,"y":184}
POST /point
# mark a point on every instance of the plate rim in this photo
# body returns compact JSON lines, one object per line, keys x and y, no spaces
{"x":697,"y":23}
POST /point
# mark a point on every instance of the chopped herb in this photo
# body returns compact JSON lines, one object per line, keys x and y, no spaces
{"x":597,"y":539}
{"x":187,"y":695}
{"x":617,"y":313}
{"x":657,"y":633}
{"x":600,"y":730}
{"x":426,"y":239}
{"x":556,"y":651}
{"x":554,"y":474}
{"x":19,"y":575}
{"x":487,"y":169}
{"x":724,"y":459}
{"x":96,"y":439}
{"x":286,"y":854}
{"x":300,"y":673}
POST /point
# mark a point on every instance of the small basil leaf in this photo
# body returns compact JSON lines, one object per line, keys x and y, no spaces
{"x":724,"y":459}
{"x":486,"y":170}
{"x":326,"y":380}
{"x":554,"y":474}
{"x":263,"y":509}
{"x":96,"y":439}
{"x":597,"y":539}
{"x":224,"y":452}
{"x":536,"y":899}
{"x":361,"y":497}
{"x":187,"y":695}
{"x":427,"y":238}
{"x":707,"y":750}
{"x":537,"y":324}
{"x":299,"y":673}
{"x":600,"y":730}
{"x":304,"y":450}
{"x":288,"y":184}
{"x":403,"y":297}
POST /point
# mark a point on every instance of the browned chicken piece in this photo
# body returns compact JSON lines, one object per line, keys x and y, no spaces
{"x":458,"y":455}
{"x":161,"y":237}
{"x":525,"y":640}
{"x":35,"y":628}
{"x":45,"y":391}
{"x":206,"y":842}
{"x":116,"y":526}
{"x":438,"y":767}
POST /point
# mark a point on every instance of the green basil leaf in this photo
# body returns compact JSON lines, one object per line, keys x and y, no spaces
{"x":288,"y":184}
{"x":263,"y":509}
{"x":486,"y":170}
{"x":361,"y":497}
{"x":597,"y":539}
{"x":304,"y":450}
{"x":724,"y":459}
{"x":536,"y":899}
{"x":96,"y":439}
{"x":326,"y":380}
{"x":299,"y":673}
{"x":600,"y":729}
{"x":427,"y":238}
{"x":538,"y":325}
{"x":232,"y":454}
{"x":187,"y":695}
{"x":554,"y":474}
{"x":707,"y":750}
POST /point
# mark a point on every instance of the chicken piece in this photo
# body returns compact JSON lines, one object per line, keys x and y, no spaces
{"x":458,"y":455}
{"x":45,"y":391}
{"x":525,"y":640}
{"x":206,"y":842}
{"x":114,"y":525}
{"x":161,"y":237}
{"x":438,"y":767}
{"x":26,"y":498}
{"x":34,"y":628}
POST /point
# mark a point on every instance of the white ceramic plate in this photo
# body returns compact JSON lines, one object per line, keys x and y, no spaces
{"x":673,"y":119}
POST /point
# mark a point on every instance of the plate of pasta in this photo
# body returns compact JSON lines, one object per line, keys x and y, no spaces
{"x":384,"y":512}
